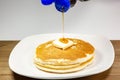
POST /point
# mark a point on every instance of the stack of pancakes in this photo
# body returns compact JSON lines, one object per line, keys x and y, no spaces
{"x":57,"y":60}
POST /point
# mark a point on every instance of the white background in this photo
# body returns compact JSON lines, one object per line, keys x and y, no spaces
{"x":22,"y":18}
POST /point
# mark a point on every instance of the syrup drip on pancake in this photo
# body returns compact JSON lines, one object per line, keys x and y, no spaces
{"x":63,"y":40}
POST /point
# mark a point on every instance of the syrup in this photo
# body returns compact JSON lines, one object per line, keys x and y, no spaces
{"x":63,"y":24}
{"x":63,"y":40}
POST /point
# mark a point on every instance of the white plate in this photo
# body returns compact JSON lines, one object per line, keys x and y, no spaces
{"x":21,"y":58}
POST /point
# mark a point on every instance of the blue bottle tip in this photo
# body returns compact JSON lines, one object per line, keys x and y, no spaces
{"x":62,"y":5}
{"x":47,"y":2}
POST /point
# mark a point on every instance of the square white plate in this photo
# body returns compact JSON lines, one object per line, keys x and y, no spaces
{"x":21,"y":58}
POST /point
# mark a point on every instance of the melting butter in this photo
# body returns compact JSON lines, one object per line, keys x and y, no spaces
{"x":62,"y":43}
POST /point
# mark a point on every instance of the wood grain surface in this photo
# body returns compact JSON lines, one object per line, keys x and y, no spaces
{"x":6,"y":74}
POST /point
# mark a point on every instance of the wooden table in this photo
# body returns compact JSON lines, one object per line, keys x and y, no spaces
{"x":6,"y":74}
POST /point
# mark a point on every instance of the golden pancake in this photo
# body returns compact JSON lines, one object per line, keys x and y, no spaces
{"x":57,"y":60}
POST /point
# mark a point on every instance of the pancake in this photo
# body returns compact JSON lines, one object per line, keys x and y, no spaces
{"x":75,"y":57}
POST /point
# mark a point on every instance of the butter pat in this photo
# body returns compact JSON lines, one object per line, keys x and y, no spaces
{"x":62,"y":44}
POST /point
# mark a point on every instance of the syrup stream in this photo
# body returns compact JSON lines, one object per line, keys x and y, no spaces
{"x":63,"y":25}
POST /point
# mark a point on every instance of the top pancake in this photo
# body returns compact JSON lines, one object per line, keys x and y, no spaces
{"x":80,"y":48}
